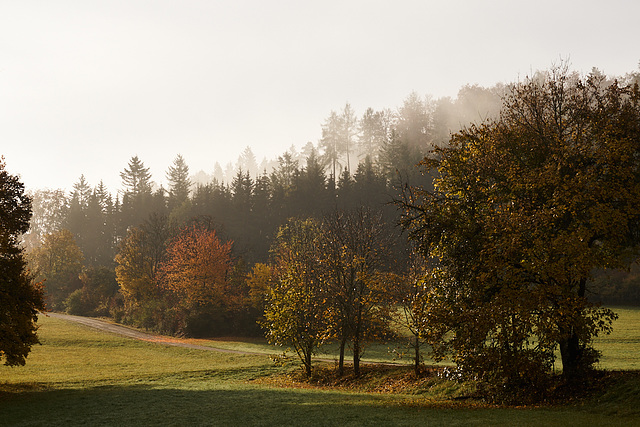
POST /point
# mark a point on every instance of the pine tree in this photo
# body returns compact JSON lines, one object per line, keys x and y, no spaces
{"x":179,"y":182}
{"x":136,"y":178}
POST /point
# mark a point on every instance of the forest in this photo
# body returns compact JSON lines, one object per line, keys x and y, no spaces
{"x":102,"y":253}
{"x":398,"y":216}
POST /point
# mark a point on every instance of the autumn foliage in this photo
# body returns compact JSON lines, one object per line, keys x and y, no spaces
{"x":327,"y":284}
{"x":524,"y":209}
{"x":197,"y":267}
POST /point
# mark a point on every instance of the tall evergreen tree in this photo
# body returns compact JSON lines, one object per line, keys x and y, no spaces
{"x":349,"y":131}
{"x":76,"y":220}
{"x":311,"y":196}
{"x":218,"y":173}
{"x":330,"y":143}
{"x":263,"y":217}
{"x":241,"y":229}
{"x":179,"y":182}
{"x":374,"y":131}
{"x":370,"y":187}
{"x":82,"y":192}
{"x":137,"y":198}
{"x":345,"y":191}
{"x":136,"y":178}
{"x":247,"y":162}
{"x":414,"y":123}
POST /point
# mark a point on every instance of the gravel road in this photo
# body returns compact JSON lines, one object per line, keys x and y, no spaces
{"x":135,"y":334}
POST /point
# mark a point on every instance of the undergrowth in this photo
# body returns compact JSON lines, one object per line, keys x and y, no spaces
{"x":615,"y":392}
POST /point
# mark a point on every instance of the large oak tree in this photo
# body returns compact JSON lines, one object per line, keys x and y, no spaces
{"x":524,"y":208}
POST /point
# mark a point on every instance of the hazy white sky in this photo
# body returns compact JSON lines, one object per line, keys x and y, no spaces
{"x":87,"y":84}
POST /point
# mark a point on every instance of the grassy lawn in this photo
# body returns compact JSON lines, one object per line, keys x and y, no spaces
{"x":80,"y":376}
{"x":621,"y":349}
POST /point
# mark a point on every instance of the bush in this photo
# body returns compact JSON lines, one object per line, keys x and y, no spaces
{"x":76,"y":303}
{"x":521,"y":377}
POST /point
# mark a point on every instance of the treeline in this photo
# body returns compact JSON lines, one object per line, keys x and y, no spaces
{"x":105,"y":254}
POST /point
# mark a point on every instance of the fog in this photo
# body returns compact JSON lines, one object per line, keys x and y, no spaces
{"x":84,"y":86}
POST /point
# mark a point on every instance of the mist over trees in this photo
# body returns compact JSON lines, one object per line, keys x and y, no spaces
{"x":360,"y":161}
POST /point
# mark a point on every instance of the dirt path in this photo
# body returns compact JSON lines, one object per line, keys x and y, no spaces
{"x":114,"y":328}
{"x":135,"y":334}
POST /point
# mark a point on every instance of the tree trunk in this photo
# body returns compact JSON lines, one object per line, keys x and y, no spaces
{"x":417,"y":357}
{"x":571,"y":351}
{"x":307,"y":364}
{"x":356,"y":356}
{"x":343,"y":343}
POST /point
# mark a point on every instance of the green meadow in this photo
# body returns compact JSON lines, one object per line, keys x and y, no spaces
{"x":81,"y":376}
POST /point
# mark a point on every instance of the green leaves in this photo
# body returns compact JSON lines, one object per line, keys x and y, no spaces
{"x":20,"y":297}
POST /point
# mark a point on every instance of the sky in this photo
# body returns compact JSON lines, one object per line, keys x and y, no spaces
{"x":87,"y":84}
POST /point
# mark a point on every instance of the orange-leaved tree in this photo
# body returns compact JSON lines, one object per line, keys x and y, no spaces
{"x":197,"y":269}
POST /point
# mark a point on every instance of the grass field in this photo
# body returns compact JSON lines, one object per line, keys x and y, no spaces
{"x":620,"y":350}
{"x":81,"y":376}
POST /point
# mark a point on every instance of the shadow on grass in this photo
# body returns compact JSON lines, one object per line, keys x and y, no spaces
{"x":245,"y":405}
{"x":142,"y":405}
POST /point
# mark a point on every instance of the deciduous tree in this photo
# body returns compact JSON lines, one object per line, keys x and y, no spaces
{"x":297,"y":298}
{"x":50,"y":208}
{"x":355,"y":247}
{"x":57,"y":262}
{"x":525,"y":207}
{"x":137,"y":263}
{"x":197,"y":268}
{"x":20,"y":297}
{"x":411,"y":291}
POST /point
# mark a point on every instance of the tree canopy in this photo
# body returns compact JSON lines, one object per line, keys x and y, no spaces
{"x":524,"y":208}
{"x":296,"y":309}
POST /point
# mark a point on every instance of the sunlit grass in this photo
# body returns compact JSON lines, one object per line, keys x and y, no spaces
{"x":80,"y":376}
{"x":621,"y":349}
{"x":73,"y":355}
{"x":383,"y":352}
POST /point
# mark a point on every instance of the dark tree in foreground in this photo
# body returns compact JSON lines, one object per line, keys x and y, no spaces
{"x":524,"y":209}
{"x":20,"y":298}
